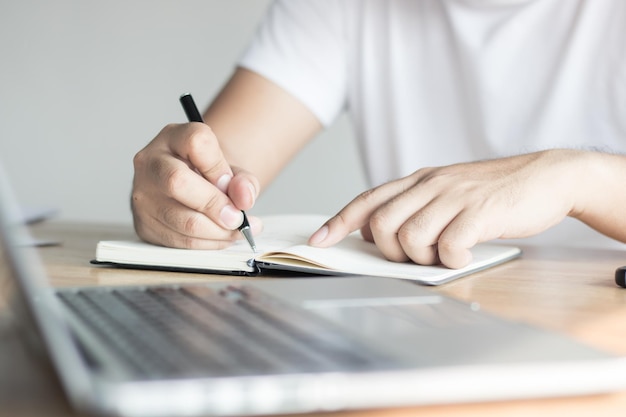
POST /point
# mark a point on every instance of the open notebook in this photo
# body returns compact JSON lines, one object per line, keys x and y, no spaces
{"x":282,"y":246}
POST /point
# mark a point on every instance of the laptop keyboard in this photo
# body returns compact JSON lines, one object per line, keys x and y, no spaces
{"x":195,"y":330}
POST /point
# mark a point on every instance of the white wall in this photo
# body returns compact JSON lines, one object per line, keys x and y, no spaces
{"x":85,"y":84}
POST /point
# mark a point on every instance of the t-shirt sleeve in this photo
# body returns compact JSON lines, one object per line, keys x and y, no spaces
{"x":300,"y":46}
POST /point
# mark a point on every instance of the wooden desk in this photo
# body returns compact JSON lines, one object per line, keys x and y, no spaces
{"x":570,"y":291}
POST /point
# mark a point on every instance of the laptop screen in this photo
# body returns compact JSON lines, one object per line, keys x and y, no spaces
{"x":7,"y":285}
{"x":26,"y":297}
{"x":12,"y":258}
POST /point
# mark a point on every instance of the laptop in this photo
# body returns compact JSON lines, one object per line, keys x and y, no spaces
{"x":273,"y":346}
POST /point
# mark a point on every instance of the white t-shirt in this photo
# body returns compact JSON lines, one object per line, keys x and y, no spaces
{"x":436,"y":82}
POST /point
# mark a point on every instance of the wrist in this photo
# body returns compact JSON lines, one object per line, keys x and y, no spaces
{"x":596,"y":176}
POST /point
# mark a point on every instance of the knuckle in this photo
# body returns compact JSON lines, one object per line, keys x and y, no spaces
{"x":367,"y":196}
{"x":167,"y":215}
{"x":184,"y":241}
{"x":422,"y":174}
{"x":139,"y":160}
{"x":462,"y":236}
{"x":447,"y":246}
{"x":168,"y":128}
{"x":179,"y":229}
{"x":174,"y":180}
{"x":200,"y":138}
{"x":171,"y":239}
{"x":191,"y":225}
{"x":211,"y":204}
{"x":339,"y":221}
{"x":409,"y":237}
{"x":464,"y":228}
{"x":379,"y":221}
{"x":169,"y":133}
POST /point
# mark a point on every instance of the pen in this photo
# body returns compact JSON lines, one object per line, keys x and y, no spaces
{"x":193,"y":115}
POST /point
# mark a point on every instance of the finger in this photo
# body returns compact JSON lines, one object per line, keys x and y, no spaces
{"x":366,"y":233}
{"x":464,"y":232}
{"x":419,"y":235}
{"x":357,"y":213}
{"x":180,"y":227}
{"x":189,"y":222}
{"x":243,"y":189}
{"x":182,"y":184}
{"x":165,"y":231}
{"x":199,"y":145}
{"x":389,"y":223}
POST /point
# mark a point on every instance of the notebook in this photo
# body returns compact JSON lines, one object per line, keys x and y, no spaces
{"x":273,"y":346}
{"x":283,"y":246}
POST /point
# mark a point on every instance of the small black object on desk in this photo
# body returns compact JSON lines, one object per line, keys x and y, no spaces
{"x":620,"y":276}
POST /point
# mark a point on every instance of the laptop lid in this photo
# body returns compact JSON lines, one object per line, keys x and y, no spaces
{"x":451,"y":361}
{"x":28,"y":303}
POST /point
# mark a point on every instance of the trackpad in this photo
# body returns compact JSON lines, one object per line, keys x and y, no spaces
{"x":396,"y":316}
{"x":429,"y":333}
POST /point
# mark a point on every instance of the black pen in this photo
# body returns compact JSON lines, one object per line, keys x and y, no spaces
{"x":193,"y":115}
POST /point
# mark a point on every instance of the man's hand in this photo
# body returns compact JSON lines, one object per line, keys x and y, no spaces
{"x":185,"y":194}
{"x":437,"y":214}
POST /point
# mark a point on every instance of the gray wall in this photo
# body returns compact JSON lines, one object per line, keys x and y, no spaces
{"x":85,"y":84}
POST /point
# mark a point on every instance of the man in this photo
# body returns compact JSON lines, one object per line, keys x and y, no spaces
{"x":427,"y":83}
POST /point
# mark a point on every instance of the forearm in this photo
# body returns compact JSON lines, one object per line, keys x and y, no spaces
{"x":260,"y":126}
{"x":601,"y":197}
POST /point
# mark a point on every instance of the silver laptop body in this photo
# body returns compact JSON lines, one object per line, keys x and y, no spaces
{"x":274,"y":346}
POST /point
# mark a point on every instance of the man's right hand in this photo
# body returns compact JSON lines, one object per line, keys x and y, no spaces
{"x":186,"y":195}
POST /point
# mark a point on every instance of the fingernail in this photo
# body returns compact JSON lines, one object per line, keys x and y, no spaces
{"x":252,"y":192}
{"x":319,"y":236}
{"x":222,"y":183}
{"x":231,"y":217}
